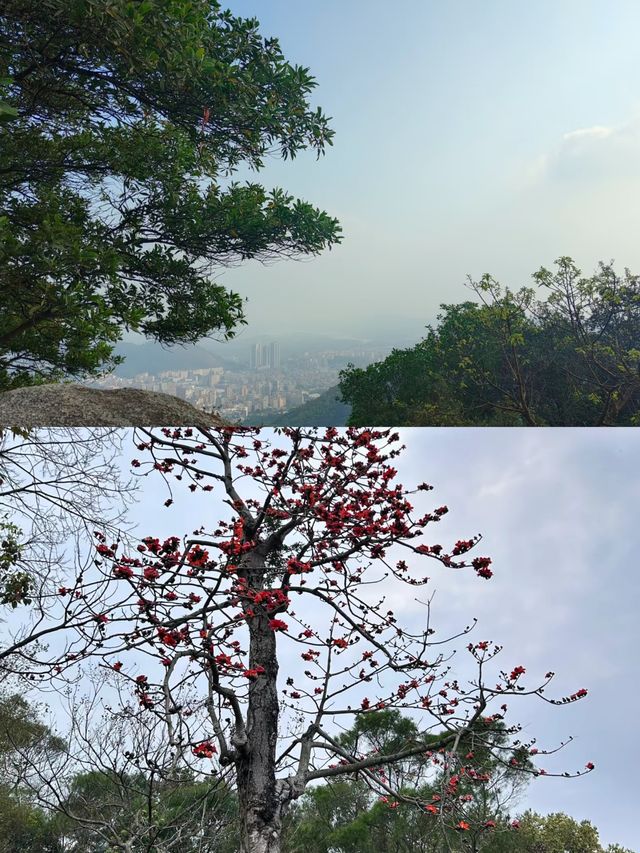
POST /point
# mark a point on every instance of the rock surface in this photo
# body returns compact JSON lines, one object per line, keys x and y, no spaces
{"x":76,"y":405}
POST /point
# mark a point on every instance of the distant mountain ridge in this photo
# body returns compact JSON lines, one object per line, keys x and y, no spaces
{"x":145,"y":356}
{"x":154,"y":358}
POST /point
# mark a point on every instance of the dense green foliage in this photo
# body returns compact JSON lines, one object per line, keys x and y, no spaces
{"x":24,"y":740}
{"x":121,"y":123}
{"x":512,"y":359}
{"x":16,"y":584}
{"x":348,"y":817}
{"x":325,"y":410}
{"x":186,"y":815}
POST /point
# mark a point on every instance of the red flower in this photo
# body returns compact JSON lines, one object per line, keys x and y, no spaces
{"x":169,"y":638}
{"x":197,"y":557}
{"x":151,"y":573}
{"x":123,"y":572}
{"x":277,"y":625}
{"x":117,"y":666}
{"x":481,"y":565}
{"x":589,"y":765}
{"x":204,"y":750}
{"x":462,"y":546}
{"x":463,"y":825}
{"x":253,"y":673}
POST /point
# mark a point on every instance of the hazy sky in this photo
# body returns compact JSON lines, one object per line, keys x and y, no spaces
{"x":470,"y":138}
{"x":558,"y":512}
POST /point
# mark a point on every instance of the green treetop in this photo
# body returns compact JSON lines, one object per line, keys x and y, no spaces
{"x":571,"y":358}
{"x":121,"y":123}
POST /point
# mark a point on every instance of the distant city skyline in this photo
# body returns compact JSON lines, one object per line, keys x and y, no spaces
{"x":258,"y":381}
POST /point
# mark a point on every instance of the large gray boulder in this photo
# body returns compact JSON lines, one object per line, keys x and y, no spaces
{"x":76,"y":405}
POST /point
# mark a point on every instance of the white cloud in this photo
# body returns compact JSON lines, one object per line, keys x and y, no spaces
{"x":592,"y":156}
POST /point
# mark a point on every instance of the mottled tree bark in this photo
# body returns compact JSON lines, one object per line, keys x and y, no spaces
{"x":258,"y":794}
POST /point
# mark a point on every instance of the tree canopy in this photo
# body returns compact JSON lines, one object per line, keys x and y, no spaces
{"x":121,"y":125}
{"x":571,"y":358}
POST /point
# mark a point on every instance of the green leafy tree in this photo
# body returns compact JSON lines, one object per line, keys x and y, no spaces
{"x":553,"y":833}
{"x":135,"y":811}
{"x":512,"y":359}
{"x":340,"y":818}
{"x":343,"y":817}
{"x":352,"y":817}
{"x":121,"y":124}
{"x":25,"y":741}
{"x":16,"y":583}
{"x":82,"y":794}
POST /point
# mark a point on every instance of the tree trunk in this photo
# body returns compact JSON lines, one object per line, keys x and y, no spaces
{"x":258,"y":836}
{"x":259,"y":799}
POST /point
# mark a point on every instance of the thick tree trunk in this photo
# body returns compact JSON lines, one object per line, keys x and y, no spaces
{"x":258,"y":795}
{"x":257,"y":836}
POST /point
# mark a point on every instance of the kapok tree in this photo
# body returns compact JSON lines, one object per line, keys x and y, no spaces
{"x":209,"y":629}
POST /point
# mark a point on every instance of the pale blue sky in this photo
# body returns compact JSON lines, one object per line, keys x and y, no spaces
{"x":456,"y":151}
{"x":558,"y":513}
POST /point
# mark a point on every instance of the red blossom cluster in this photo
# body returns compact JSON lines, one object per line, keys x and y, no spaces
{"x":204,"y":750}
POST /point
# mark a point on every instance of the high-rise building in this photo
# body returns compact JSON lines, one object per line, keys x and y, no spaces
{"x":265,"y":356}
{"x":256,"y":353}
{"x":274,"y":355}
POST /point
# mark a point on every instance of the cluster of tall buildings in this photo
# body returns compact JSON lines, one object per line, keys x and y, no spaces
{"x":265,"y":356}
